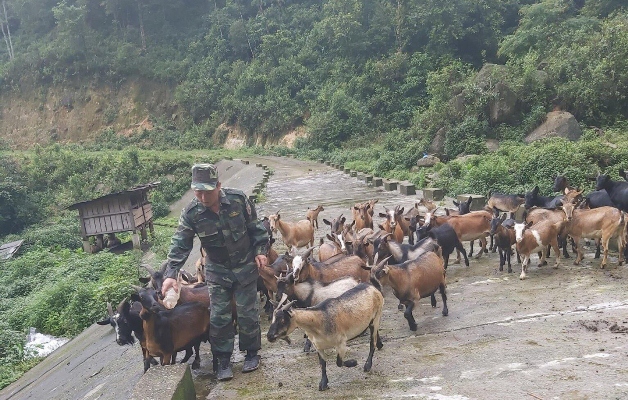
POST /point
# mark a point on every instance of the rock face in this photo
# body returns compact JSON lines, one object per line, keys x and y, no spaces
{"x":558,"y":124}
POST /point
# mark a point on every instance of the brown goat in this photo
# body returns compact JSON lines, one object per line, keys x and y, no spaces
{"x":396,"y":224}
{"x":297,"y":234}
{"x":312,"y":215}
{"x":414,"y":280}
{"x":337,"y":267}
{"x":471,"y":226}
{"x":362,"y":216}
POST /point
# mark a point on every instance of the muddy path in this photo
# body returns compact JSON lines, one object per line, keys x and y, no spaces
{"x":561,"y":333}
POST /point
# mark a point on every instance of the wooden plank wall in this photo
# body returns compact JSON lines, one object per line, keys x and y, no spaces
{"x":142,"y":215}
{"x":108,"y":216}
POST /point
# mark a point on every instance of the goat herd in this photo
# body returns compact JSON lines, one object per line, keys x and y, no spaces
{"x":340,"y":296}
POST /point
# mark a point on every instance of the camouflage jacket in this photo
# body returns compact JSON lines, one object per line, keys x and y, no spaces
{"x":232,"y":238}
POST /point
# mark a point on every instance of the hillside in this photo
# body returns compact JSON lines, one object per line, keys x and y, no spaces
{"x":74,"y":70}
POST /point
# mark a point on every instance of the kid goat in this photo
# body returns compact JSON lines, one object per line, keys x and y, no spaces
{"x":535,"y":238}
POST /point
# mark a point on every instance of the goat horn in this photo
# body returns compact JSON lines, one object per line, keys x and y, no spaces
{"x":287,"y":306}
{"x":149,"y":269}
{"x":109,"y":309}
{"x":137,"y":288}
{"x":284,"y":298}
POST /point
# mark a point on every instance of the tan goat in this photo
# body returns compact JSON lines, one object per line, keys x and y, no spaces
{"x":312,"y":215}
{"x":598,"y":223}
{"x":297,"y":234}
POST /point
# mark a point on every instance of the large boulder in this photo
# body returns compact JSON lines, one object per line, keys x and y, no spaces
{"x":503,"y":105}
{"x":558,"y":124}
{"x":427,"y":161}
{"x":437,"y":146}
{"x":489,"y":75}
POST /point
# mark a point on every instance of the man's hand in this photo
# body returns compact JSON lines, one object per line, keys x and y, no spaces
{"x":260,"y":260}
{"x":168,"y":283}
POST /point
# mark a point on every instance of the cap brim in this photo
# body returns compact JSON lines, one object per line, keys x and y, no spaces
{"x":203,"y":186}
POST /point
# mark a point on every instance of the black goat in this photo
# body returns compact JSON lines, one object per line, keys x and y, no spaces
{"x":446,"y":238}
{"x":534,"y":200}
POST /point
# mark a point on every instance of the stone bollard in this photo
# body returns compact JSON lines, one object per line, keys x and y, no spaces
{"x":477,"y":203}
{"x":328,"y":163}
{"x":407,"y":188}
{"x":245,"y":162}
{"x":433,"y":194}
{"x":377,"y":181}
{"x":165,"y":382}
{"x":353,"y":173}
{"x":390,"y":185}
{"x":259,"y":164}
{"x":368,"y":178}
{"x":360,"y":176}
{"x":320,"y":161}
{"x":346,"y":169}
{"x":228,"y":158}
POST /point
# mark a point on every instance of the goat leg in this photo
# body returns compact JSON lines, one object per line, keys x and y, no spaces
{"x":323,"y":383}
{"x":369,"y":359}
{"x":598,"y":248}
{"x":196,"y":364}
{"x":443,"y":294}
{"x":433,"y":300}
{"x":307,"y":346}
{"x":408,"y":315}
{"x":508,"y":255}
{"x":460,"y":249}
{"x":470,"y":249}
{"x":502,"y":256}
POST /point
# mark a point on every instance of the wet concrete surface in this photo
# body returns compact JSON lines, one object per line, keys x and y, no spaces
{"x":559,"y":334}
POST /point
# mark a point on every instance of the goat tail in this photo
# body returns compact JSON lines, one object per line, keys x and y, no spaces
{"x":375,"y":282}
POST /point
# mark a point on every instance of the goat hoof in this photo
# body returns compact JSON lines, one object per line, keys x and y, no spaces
{"x":445,"y":312}
{"x":522,"y":276}
{"x":322,"y":387}
{"x":350,"y":363}
{"x":367,"y":367}
{"x":413,"y":328}
{"x":576,"y":262}
{"x":510,"y":270}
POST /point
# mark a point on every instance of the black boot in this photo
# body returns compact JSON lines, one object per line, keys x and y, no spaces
{"x":251,"y":361}
{"x":224,"y":372}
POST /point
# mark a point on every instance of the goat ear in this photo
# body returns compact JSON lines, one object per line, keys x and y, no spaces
{"x":528,"y":225}
{"x":326,"y":222}
{"x":342,"y":220}
{"x":144,"y":280}
{"x":352,"y":224}
{"x":330,"y":237}
{"x":456,"y":203}
{"x":400,"y":211}
{"x":535,"y":190}
{"x":503,"y":218}
{"x":382,"y":215}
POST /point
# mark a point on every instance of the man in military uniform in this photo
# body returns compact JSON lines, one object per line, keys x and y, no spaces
{"x":235,"y":242}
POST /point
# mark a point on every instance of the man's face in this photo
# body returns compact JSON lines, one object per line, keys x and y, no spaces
{"x":208,"y":198}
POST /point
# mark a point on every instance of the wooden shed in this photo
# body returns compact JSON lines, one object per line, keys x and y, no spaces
{"x":127,"y":211}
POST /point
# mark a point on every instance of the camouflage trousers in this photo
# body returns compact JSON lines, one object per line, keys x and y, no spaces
{"x":221,"y":332}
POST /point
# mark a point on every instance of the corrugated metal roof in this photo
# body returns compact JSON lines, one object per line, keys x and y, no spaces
{"x":139,"y":188}
{"x":7,"y":250}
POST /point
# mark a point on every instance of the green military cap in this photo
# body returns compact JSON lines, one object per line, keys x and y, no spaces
{"x":204,"y":177}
